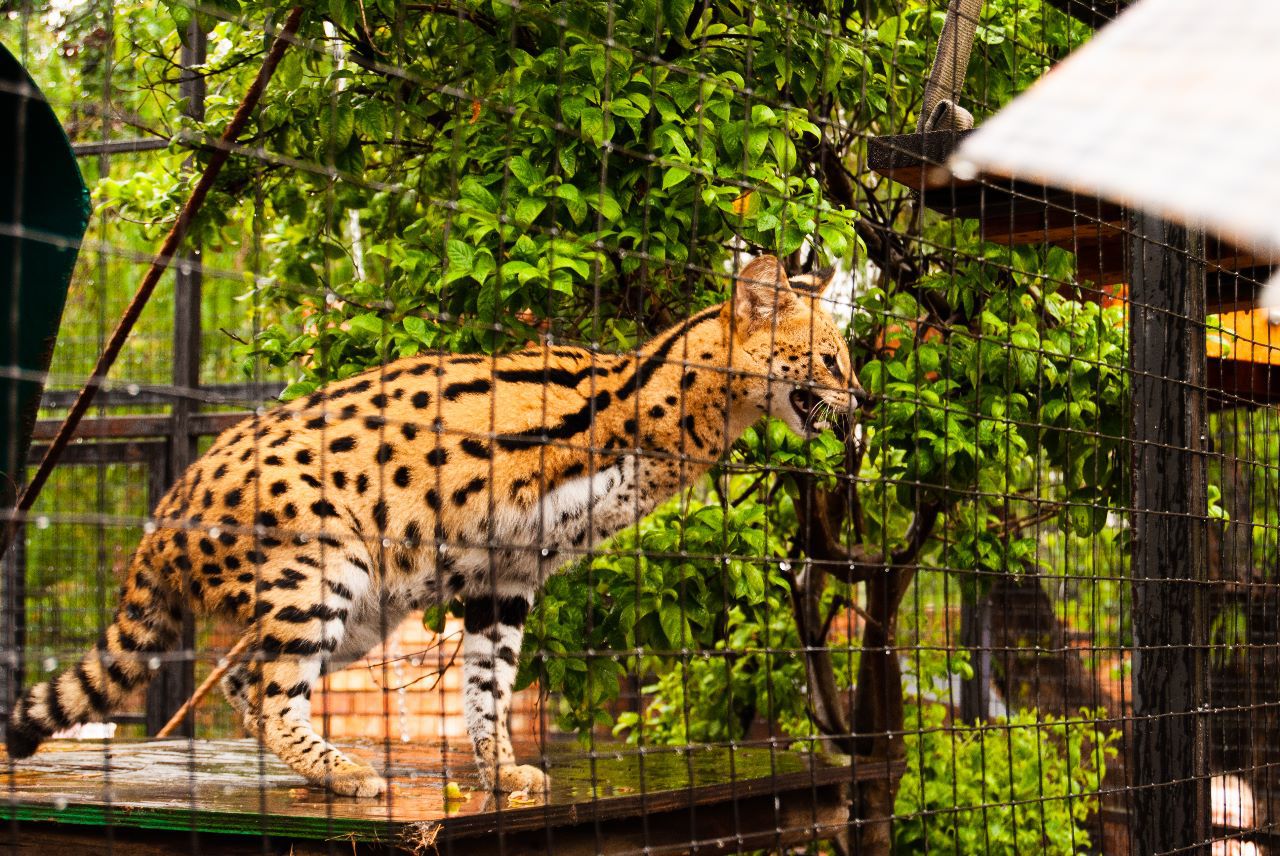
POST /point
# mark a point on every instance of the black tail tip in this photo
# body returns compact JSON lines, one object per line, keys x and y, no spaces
{"x":22,"y":740}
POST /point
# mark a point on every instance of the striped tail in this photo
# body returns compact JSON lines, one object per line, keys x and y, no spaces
{"x":119,"y":663}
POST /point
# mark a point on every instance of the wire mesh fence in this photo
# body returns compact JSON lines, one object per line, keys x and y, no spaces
{"x":608,"y":426}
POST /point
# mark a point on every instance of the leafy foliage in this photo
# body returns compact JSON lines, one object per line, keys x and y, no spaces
{"x":1018,"y":785}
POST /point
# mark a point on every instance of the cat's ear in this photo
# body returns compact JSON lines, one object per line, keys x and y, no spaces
{"x":815,"y":282}
{"x":761,"y":293}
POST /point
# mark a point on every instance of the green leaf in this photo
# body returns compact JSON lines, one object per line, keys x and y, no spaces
{"x":340,"y":124}
{"x":592,"y":125}
{"x":477,"y":194}
{"x":528,"y":210}
{"x":343,"y":13}
{"x":568,"y":160}
{"x":674,"y":176}
{"x":415,"y":327}
{"x":606,"y":205}
{"x":461,"y":258}
{"x":573,"y":202}
{"x":671,"y":617}
{"x":524,"y":172}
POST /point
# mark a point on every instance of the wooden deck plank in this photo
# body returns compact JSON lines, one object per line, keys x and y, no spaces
{"x":229,"y":786}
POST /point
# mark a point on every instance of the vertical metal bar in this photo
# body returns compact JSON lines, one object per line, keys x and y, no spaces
{"x":176,"y":680}
{"x":975,"y":636}
{"x":13,"y":627}
{"x":1170,"y":797}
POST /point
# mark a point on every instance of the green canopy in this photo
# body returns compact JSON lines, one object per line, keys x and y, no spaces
{"x":44,"y":211}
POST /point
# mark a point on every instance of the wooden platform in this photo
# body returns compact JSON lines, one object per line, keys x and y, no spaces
{"x":233,"y":796}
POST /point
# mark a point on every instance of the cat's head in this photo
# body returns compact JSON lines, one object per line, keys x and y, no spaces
{"x":792,"y":348}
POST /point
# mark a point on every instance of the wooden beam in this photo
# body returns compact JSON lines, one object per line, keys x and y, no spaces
{"x":1169,"y":801}
{"x":122,"y":427}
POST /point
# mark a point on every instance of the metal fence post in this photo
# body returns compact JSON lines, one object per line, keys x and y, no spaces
{"x":176,"y":680}
{"x":1169,"y":803}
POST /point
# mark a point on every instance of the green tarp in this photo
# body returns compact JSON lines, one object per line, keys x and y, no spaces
{"x":44,"y":211}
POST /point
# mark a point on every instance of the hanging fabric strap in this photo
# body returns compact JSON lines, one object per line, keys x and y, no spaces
{"x":941,"y":110}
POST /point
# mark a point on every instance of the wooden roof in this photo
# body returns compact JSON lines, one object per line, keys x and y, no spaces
{"x":1097,"y":232}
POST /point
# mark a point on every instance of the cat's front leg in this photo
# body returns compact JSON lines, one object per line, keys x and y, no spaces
{"x":494,"y":626}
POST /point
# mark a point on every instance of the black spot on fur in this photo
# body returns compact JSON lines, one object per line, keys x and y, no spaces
{"x":386,"y":452}
{"x":342,"y":444}
{"x":339,"y":479}
{"x":690,"y":427}
{"x":475,"y":448}
{"x":323,"y":508}
{"x":362,"y":484}
{"x":438,"y":457}
{"x":461,"y":494}
{"x":409,"y":430}
{"x":279,"y":488}
{"x":380,"y":515}
{"x":412,"y":534}
{"x":401,"y":477}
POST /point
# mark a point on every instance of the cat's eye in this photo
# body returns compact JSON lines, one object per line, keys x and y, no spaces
{"x":832,"y":364}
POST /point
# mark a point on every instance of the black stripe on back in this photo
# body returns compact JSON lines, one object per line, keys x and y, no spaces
{"x":550,"y":374}
{"x":473,"y":387}
{"x":658,"y":358}
{"x":570,"y":426}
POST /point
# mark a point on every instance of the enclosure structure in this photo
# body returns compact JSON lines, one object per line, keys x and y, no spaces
{"x":951,"y":627}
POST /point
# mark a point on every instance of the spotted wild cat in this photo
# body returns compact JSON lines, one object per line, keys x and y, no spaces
{"x":320,"y":523}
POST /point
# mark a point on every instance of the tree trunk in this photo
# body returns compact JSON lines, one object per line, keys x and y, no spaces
{"x":878,"y":710}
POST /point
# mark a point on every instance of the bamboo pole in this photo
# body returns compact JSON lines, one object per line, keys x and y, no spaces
{"x":207,"y":684}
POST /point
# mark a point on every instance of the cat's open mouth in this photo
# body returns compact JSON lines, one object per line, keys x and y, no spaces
{"x":806,"y":405}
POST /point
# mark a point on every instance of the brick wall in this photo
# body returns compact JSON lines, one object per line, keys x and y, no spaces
{"x":365,"y":699}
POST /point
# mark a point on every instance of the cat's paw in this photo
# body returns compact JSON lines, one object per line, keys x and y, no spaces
{"x":358,"y":782}
{"x":523,"y":778}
